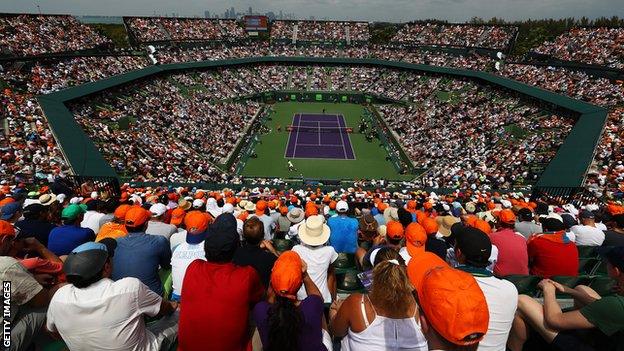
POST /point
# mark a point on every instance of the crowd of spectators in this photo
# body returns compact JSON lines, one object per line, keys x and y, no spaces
{"x":460,"y":35}
{"x":258,"y":266}
{"x":31,"y":35}
{"x":327,"y":31}
{"x":489,"y":156}
{"x":597,"y":46}
{"x":154,"y":29}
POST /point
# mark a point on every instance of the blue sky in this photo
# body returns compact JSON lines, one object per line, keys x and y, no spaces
{"x":373,"y":10}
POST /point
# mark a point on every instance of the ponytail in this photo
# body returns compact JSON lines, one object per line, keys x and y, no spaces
{"x":285,"y":322}
{"x":391,"y":287}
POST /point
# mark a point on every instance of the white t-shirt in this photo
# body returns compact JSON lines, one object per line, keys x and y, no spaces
{"x":177,"y":238}
{"x":91,"y":220}
{"x":181,"y":258}
{"x":105,"y":313}
{"x":502,"y":299}
{"x":587,"y":235}
{"x":318,"y":260}
{"x":160,"y":228}
{"x":294,"y":230}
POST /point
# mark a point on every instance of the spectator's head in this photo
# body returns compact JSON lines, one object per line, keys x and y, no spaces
{"x":415,"y":239}
{"x":90,"y":262}
{"x":137,"y":219}
{"x":261,"y":207}
{"x":506,"y":219}
{"x":615,"y":264}
{"x":47,"y":199}
{"x":314,"y":232}
{"x":177,"y":216}
{"x":525,"y":215}
{"x":587,"y":217}
{"x":7,"y":236}
{"x":73,"y":214}
{"x":430,"y":225}
{"x":619,"y":221}
{"x":473,"y":247}
{"x":35,"y":211}
{"x":448,"y":292}
{"x":222,"y":239}
{"x":394,"y":233}
{"x":405,"y":217}
{"x":391,"y":288}
{"x":11,"y":212}
{"x":342,"y":207}
{"x":568,"y":220}
{"x":253,"y":231}
{"x":552,"y":225}
{"x":284,"y":318}
{"x":384,"y":254}
{"x":158,"y":211}
{"x":295,"y":215}
{"x":196,"y":224}
{"x":119,"y":216}
{"x":367,"y":226}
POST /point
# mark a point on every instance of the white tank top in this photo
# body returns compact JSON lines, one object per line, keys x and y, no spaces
{"x":386,"y":334}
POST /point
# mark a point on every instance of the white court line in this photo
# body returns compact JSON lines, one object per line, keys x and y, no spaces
{"x":332,"y":145}
{"x":318,"y":125}
{"x":297,"y":136}
{"x":288,"y":143}
{"x":344,"y":149}
{"x":348,"y":138}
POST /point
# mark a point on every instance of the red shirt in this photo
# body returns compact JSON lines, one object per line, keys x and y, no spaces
{"x":512,"y":253}
{"x":215,"y":306}
{"x":550,"y":255}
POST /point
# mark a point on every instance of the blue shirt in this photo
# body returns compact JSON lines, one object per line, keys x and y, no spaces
{"x":343,"y":235}
{"x":64,"y":239}
{"x":139,"y":255}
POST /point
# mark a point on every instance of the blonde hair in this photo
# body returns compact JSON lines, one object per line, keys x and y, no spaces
{"x":391,"y":290}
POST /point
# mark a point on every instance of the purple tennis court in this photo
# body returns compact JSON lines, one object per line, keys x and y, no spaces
{"x":319,"y":136}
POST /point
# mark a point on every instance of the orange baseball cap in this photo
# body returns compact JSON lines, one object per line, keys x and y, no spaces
{"x":332,"y":205}
{"x":261,"y":207}
{"x":196,"y":222}
{"x":177,"y":216}
{"x":482,"y":226}
{"x":428,"y":206}
{"x":6,"y":228}
{"x":507,"y":216}
{"x":430,"y":225}
{"x":121,"y":211}
{"x":454,"y":305}
{"x":311,"y":211}
{"x":382,"y":206}
{"x":394,"y":230}
{"x":415,"y":238}
{"x":283,"y":210}
{"x":137,"y":216}
{"x":199,"y":195}
{"x":411,"y":205}
{"x":286,"y":276}
{"x":421,"y":264}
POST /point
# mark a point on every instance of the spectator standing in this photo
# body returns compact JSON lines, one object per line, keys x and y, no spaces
{"x":157,"y":225}
{"x":473,"y":249}
{"x":314,"y":233}
{"x":512,"y":247}
{"x":218,"y":294}
{"x":255,"y":251}
{"x":192,"y":249}
{"x":552,"y":253}
{"x":586,"y":233}
{"x":283,"y":223}
{"x":140,"y":255}
{"x":35,"y":223}
{"x":283,"y":321}
{"x":93,"y":312}
{"x":64,"y":239}
{"x":344,"y":230}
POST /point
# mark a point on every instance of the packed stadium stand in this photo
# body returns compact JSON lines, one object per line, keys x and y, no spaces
{"x":182,"y":246}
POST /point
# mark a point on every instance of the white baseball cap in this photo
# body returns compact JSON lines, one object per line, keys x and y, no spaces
{"x":197,"y":203}
{"x":342,"y":206}
{"x":158,"y":209}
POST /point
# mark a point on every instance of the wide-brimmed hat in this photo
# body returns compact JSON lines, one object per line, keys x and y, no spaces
{"x":47,"y":199}
{"x":445,"y":223}
{"x":314,"y":231}
{"x":185,"y":205}
{"x":295,"y":215}
{"x":391,"y":214}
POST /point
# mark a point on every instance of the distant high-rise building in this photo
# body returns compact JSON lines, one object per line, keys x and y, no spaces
{"x":281,"y":15}
{"x":226,"y":14}
{"x":270,"y":15}
{"x":206,"y":14}
{"x":232,"y":12}
{"x":250,"y":12}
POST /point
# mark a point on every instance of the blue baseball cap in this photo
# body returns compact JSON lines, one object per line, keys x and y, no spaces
{"x":9,"y":210}
{"x":88,"y":259}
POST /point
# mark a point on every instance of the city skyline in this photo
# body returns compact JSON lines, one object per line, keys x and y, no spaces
{"x":389,"y":10}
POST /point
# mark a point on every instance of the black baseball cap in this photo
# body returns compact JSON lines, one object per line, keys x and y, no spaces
{"x":87,"y":260}
{"x":222,"y":235}
{"x":525,"y":214}
{"x":613,"y":255}
{"x":587,"y":214}
{"x":33,"y":210}
{"x":552,"y":225}
{"x":474,"y":244}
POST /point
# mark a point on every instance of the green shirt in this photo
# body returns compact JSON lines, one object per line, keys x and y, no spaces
{"x":607,"y":314}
